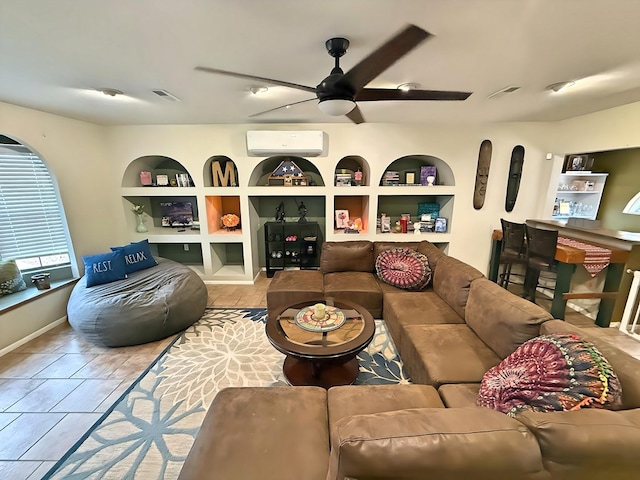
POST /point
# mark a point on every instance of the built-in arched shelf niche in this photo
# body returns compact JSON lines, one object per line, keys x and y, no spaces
{"x":413,"y":163}
{"x":262,"y":171}
{"x":220,"y":171}
{"x":157,"y":165}
{"x":352,"y":163}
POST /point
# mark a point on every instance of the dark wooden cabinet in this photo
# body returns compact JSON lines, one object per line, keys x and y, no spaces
{"x":291,"y":245}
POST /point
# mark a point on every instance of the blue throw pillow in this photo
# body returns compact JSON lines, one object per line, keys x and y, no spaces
{"x":104,"y":268}
{"x":137,"y":256}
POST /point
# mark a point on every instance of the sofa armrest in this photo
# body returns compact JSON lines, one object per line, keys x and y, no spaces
{"x":587,"y":444}
{"x":447,"y":444}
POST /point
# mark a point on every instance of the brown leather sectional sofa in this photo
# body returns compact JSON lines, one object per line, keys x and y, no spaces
{"x":447,"y":337}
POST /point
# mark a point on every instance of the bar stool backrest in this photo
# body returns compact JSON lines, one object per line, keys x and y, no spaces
{"x":513,"y":237}
{"x":541,"y":247}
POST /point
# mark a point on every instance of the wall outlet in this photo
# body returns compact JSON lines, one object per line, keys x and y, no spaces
{"x":186,"y":247}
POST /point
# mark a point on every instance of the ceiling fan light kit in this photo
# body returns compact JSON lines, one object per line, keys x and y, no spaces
{"x":340,"y":93}
{"x":336,"y":107}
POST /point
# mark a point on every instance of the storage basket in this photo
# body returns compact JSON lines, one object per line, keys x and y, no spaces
{"x":432,"y":208}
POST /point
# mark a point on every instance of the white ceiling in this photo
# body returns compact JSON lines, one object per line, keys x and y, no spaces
{"x":54,"y":52}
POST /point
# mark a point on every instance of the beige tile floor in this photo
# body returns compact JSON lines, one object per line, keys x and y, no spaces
{"x":55,"y":387}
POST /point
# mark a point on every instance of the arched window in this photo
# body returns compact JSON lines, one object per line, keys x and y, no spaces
{"x":633,"y":207}
{"x":33,"y":229}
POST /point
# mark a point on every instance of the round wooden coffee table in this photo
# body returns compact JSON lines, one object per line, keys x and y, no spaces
{"x":324,"y":359}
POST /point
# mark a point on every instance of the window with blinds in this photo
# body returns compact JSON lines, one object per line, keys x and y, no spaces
{"x":33,"y":229}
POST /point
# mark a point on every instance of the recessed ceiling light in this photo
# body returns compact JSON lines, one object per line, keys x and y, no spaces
{"x":505,"y":90}
{"x":405,"y":87}
{"x":558,"y":87}
{"x":165,"y":95}
{"x":112,"y":92}
{"x":256,"y":90}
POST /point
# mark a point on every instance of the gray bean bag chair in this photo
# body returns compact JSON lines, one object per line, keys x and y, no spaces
{"x":149,"y":305}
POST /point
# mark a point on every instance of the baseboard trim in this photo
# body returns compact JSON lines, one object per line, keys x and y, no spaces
{"x":30,"y":337}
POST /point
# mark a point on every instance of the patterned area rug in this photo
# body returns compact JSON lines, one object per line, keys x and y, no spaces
{"x":148,"y":432}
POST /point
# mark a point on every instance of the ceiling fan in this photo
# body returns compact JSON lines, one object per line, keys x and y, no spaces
{"x":339,"y":92}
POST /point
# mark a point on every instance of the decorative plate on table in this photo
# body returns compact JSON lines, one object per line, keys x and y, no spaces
{"x":334,"y":318}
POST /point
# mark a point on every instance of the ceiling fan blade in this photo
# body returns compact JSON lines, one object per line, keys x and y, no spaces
{"x":259,"y":79}
{"x":282,"y":106}
{"x":355,"y":115}
{"x":375,"y":94}
{"x":385,"y":56}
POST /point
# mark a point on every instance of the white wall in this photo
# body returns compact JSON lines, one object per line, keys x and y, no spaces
{"x":76,"y":154}
{"x":379,"y":144}
{"x":88,"y":161}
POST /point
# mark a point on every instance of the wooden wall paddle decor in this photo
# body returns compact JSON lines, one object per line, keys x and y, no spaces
{"x":515,"y":173}
{"x":482,"y":174}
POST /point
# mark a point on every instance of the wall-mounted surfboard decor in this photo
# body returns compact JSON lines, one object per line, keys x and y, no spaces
{"x":482,"y":174}
{"x":515,"y":173}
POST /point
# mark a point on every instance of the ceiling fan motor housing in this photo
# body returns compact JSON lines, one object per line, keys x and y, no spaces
{"x":331,"y":88}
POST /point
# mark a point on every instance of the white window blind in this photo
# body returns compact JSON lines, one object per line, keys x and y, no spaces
{"x":31,"y":224}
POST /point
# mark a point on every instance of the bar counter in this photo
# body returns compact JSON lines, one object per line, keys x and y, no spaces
{"x":625,"y":255}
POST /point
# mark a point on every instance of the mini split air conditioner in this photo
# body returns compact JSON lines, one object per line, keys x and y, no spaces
{"x":264,"y":143}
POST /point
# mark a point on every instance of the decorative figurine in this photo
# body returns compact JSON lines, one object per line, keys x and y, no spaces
{"x":280,"y":213}
{"x":302,"y":211}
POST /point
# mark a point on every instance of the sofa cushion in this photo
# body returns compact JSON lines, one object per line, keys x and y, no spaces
{"x":357,"y":287}
{"x":502,"y":320}
{"x":274,"y":433}
{"x":356,"y":256}
{"x":584,"y":444}
{"x":403,"y":268}
{"x":349,"y":400}
{"x":452,"y":280}
{"x":433,"y":253}
{"x":379,"y":247}
{"x":551,"y":372}
{"x":625,"y":366}
{"x":455,"y":395}
{"x":438,"y":354}
{"x":415,"y":308}
{"x":289,"y":287}
{"x":434,"y":443}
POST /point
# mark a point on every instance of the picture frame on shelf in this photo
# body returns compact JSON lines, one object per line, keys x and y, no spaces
{"x":578,"y":163}
{"x":162,"y":180}
{"x":428,"y":175}
{"x":145,"y":178}
{"x":176,"y":214}
{"x":440,"y":225}
{"x":342,"y":219}
{"x":409,"y":177}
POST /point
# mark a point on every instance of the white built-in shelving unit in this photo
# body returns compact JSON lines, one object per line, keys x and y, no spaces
{"x":237,"y":256}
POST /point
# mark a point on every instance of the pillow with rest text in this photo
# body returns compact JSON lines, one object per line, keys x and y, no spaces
{"x":104,"y":268}
{"x":137,"y":256}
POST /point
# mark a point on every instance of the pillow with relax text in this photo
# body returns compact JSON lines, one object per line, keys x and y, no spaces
{"x":104,"y":268}
{"x":404,"y":268}
{"x":137,"y":256}
{"x":11,"y":280}
{"x":549,"y":373}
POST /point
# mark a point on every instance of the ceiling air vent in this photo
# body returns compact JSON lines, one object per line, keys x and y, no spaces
{"x":166,"y":95}
{"x":504,"y":91}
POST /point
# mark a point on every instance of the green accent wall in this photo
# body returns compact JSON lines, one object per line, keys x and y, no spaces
{"x":622,"y":184}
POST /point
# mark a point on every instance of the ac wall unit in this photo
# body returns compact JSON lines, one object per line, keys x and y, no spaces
{"x":264,"y":143}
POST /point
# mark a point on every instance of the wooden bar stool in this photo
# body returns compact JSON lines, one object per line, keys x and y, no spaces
{"x":513,"y":250}
{"x":541,"y":257}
